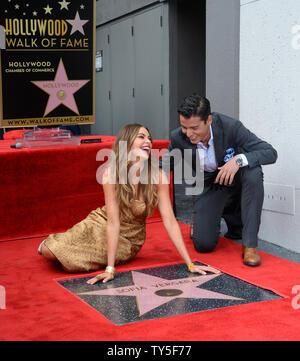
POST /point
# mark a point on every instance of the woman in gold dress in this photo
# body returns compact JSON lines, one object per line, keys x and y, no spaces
{"x":115,"y":233}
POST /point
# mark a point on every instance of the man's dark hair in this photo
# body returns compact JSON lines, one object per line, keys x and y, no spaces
{"x":195,"y":106}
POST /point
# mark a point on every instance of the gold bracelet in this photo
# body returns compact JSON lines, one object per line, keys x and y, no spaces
{"x":190,"y":266}
{"x":110,"y":269}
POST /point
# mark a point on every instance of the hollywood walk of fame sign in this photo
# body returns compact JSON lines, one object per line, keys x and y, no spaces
{"x":163,"y":292}
{"x":47,"y":72}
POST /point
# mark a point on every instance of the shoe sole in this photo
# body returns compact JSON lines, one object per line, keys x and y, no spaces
{"x":252,"y":264}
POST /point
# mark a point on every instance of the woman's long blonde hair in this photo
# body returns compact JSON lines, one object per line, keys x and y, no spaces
{"x":126,"y":192}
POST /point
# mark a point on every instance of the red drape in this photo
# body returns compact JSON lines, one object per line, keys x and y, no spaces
{"x":48,"y":190}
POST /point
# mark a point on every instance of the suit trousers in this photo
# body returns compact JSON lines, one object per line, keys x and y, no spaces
{"x":240,"y":204}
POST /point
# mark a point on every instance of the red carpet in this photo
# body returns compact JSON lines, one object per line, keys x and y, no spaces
{"x":37,"y":308}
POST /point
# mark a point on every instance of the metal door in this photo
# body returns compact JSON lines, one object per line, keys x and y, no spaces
{"x":122,"y":74}
{"x":103,"y":123}
{"x":131,"y":86}
{"x":149,"y":77}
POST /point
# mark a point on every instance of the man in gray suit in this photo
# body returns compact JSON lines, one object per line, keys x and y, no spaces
{"x":233,"y":177}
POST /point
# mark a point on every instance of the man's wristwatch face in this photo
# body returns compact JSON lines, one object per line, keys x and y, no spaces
{"x":239,"y":161}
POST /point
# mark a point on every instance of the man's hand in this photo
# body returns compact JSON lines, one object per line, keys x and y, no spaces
{"x":227,"y":172}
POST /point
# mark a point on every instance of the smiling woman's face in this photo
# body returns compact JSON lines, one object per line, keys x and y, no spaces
{"x":142,"y":144}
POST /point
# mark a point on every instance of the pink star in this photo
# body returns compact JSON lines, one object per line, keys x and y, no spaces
{"x":61,"y":90}
{"x":152,"y":292}
{"x":77,"y":24}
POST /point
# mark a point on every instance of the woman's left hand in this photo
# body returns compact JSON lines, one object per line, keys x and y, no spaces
{"x":203,"y":269}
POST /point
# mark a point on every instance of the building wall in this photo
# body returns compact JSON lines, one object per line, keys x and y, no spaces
{"x":270,"y":106}
{"x":222,"y":55}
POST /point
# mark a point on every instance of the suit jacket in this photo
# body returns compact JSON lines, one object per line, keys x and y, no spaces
{"x":227,"y":133}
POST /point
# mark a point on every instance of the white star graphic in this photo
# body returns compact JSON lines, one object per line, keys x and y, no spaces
{"x":152,"y":292}
{"x":64,"y":4}
{"x":77,"y":24}
{"x":48,"y":9}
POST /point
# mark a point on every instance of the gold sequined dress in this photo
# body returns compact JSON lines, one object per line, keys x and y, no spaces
{"x":84,"y":248}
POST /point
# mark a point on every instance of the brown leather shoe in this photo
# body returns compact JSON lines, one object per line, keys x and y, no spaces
{"x":251,"y":257}
{"x":191,"y":229}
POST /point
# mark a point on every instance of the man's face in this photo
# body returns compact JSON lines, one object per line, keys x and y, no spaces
{"x":196,"y":129}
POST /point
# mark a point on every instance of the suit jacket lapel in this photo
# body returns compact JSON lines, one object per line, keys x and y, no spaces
{"x":218,"y":139}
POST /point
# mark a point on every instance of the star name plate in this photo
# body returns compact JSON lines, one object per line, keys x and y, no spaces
{"x":164,"y":291}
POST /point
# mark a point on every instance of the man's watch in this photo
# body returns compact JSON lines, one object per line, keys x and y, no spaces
{"x":238,"y":160}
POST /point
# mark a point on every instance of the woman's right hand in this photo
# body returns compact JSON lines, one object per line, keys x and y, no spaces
{"x":106,"y":276}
